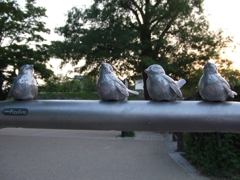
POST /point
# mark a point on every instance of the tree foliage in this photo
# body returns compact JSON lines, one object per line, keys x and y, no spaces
{"x":21,"y":41}
{"x":67,"y":84}
{"x":133,"y":34}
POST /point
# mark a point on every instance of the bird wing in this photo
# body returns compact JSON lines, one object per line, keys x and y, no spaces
{"x":201,"y":86}
{"x":120,"y":86}
{"x":221,"y":79}
{"x":12,"y":87}
{"x":199,"y":83}
{"x":173,"y":86}
{"x":229,"y":91}
{"x":176,"y":89}
{"x":226,"y":86}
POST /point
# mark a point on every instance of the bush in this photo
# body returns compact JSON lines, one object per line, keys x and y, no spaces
{"x":215,"y":154}
{"x":83,"y":95}
{"x":128,"y":134}
{"x":67,"y":84}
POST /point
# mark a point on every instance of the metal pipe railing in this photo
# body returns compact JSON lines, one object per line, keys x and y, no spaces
{"x":177,"y":116}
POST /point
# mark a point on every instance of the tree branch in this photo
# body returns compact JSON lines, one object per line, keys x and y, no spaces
{"x":135,"y":12}
{"x":168,"y":25}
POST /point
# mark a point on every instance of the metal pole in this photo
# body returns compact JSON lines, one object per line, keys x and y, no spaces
{"x":123,"y":133}
{"x":178,"y":116}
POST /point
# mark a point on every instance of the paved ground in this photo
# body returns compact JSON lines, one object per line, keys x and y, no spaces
{"x":35,"y":154}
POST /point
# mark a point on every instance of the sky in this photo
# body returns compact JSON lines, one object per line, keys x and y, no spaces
{"x":222,"y":14}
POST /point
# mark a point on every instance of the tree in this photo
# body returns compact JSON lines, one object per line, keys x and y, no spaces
{"x":133,"y":34}
{"x":21,"y":41}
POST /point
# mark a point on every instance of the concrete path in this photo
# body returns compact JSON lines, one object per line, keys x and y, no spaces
{"x":40,"y":154}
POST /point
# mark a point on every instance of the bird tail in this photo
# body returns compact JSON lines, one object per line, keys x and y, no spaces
{"x":133,"y":92}
{"x":232,"y":94}
{"x":181,"y":82}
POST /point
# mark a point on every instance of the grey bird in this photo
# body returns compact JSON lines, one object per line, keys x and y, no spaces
{"x":161,"y":87}
{"x":212,"y":86}
{"x":24,"y":86}
{"x":109,"y":87}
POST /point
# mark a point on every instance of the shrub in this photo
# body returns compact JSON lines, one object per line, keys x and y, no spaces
{"x":128,"y":134}
{"x":83,"y":95}
{"x":214,"y":154}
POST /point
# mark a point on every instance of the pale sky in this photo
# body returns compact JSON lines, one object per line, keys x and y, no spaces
{"x":221,"y":14}
{"x":225,"y":14}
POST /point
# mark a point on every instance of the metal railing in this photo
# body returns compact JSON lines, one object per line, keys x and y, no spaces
{"x":178,"y":116}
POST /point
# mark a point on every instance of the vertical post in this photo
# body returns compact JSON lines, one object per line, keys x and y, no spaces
{"x":174,"y":136}
{"x":178,"y":136}
{"x":219,"y":139}
{"x":123,"y":133}
{"x":180,"y":144}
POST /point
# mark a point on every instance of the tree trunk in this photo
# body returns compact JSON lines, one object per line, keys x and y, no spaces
{"x":146,"y":95}
{"x":3,"y":94}
{"x":146,"y":42}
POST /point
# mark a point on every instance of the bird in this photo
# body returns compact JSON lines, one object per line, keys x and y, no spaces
{"x":160,"y":86}
{"x":212,"y":86}
{"x":109,"y":87}
{"x":24,"y":86}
